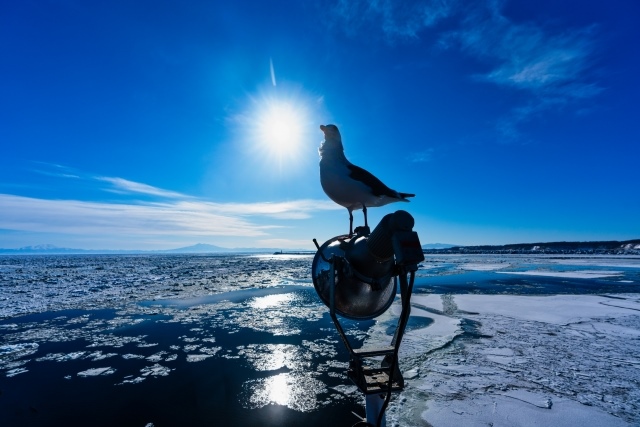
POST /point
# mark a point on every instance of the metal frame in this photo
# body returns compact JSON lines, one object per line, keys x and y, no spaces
{"x":387,"y":378}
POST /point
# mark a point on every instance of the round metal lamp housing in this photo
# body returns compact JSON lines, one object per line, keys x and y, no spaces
{"x":355,"y":296}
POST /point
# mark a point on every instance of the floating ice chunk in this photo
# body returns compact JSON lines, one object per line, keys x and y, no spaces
{"x":63,"y":357}
{"x":10,"y":326}
{"x":99,"y":355}
{"x":411,"y":374}
{"x":50,"y":356}
{"x":136,"y":380}
{"x":191,"y":347}
{"x":348,"y":390}
{"x":73,"y":356}
{"x":210,"y":350}
{"x":96,"y":371}
{"x":15,"y":351}
{"x":198,"y":357}
{"x":156,"y":357}
{"x":156,"y":370}
{"x":132,"y":356}
{"x":16,"y":371}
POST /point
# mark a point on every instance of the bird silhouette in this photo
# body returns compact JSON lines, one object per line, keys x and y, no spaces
{"x":349,"y":185}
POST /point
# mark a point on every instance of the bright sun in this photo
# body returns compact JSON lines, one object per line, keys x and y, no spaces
{"x":278,"y":129}
{"x":281,"y":127}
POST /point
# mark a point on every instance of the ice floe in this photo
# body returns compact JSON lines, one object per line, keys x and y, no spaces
{"x":156,"y":370}
{"x":94,"y":372}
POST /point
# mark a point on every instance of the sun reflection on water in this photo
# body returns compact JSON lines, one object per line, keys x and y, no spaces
{"x":294,"y":384}
{"x":278,"y":389}
{"x":271,"y":301}
{"x":296,"y":390}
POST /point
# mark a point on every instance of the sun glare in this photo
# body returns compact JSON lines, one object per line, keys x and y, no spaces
{"x":278,"y":130}
{"x":280,"y":127}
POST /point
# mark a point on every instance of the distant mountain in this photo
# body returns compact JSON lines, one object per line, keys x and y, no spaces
{"x":43,"y":249}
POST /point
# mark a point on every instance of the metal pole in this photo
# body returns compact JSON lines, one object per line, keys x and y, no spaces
{"x":373,"y":407}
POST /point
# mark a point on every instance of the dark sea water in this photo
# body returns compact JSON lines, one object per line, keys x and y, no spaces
{"x":261,"y":360}
{"x":206,"y":340}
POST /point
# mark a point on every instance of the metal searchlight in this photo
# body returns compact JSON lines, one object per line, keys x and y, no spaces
{"x":356,"y":277}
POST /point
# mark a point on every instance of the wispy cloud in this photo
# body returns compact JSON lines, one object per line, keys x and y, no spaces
{"x":124,"y":186}
{"x":552,"y":67}
{"x":184,"y":218}
{"x":295,"y":209}
{"x":398,"y":20}
{"x":164,"y":213}
{"x":422,"y":156}
{"x":528,"y":56}
{"x":56,"y":170}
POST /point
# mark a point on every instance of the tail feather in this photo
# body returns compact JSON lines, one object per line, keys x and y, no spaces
{"x":405,"y":195}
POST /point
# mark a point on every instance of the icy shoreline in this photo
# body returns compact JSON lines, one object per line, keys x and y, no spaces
{"x":568,"y":360}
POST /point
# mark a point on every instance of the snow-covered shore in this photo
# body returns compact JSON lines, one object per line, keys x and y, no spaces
{"x":505,"y":360}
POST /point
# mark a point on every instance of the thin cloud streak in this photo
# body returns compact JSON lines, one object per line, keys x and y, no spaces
{"x":125,"y":186}
{"x":295,"y":209}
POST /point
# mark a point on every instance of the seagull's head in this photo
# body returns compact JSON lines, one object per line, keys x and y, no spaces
{"x":332,"y":140}
{"x":331,"y":132}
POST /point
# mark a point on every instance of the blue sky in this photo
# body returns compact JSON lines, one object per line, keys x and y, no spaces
{"x":154,"y":125}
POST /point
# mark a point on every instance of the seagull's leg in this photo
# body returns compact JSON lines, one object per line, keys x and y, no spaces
{"x":364,"y":210}
{"x":350,"y":222}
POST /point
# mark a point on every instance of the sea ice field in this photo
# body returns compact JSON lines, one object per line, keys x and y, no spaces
{"x":243,"y":340}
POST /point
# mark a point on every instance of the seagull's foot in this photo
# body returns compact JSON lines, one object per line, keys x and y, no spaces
{"x":362,"y":230}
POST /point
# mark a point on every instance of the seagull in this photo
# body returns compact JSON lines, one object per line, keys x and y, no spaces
{"x":347,"y":184}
